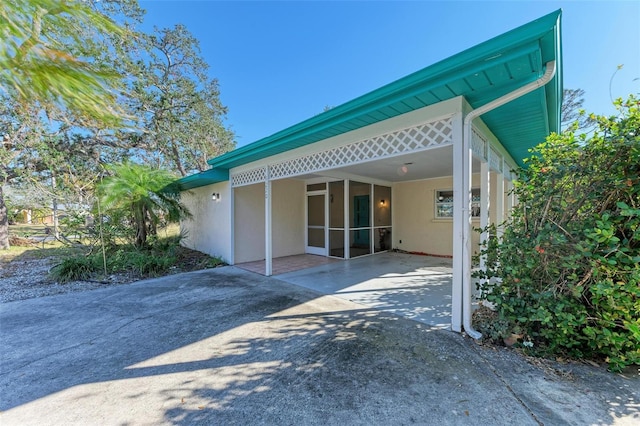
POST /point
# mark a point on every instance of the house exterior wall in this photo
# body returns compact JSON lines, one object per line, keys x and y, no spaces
{"x":288,"y":217}
{"x":414,"y":213}
{"x":249,"y":223}
{"x":287,"y":220}
{"x":209,"y":228}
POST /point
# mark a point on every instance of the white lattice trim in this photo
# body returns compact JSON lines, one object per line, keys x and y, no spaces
{"x":495,"y":160}
{"x":478,"y":144}
{"x":248,"y":177}
{"x":403,"y":141}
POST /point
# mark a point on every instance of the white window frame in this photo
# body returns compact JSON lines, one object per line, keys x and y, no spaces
{"x":447,"y":199}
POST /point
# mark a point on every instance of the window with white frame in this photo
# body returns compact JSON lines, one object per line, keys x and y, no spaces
{"x":444,"y":203}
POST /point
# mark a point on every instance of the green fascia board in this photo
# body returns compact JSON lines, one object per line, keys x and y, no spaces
{"x":207,"y":177}
{"x":541,"y":35}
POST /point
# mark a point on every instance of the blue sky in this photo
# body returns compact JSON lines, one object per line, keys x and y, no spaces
{"x":279,"y":63}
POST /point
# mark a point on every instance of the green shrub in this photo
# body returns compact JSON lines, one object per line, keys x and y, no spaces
{"x":149,"y":263}
{"x":568,"y":263}
{"x":75,"y":268}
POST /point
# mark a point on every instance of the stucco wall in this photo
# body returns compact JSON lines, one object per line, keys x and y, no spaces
{"x":209,"y":230}
{"x":414,"y":216}
{"x":287,"y":226}
{"x":288,"y":217}
{"x":249,"y":223}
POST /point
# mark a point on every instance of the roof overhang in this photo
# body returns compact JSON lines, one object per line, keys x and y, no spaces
{"x":480,"y":74}
{"x":207,"y":177}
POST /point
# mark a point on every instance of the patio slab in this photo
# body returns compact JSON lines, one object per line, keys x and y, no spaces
{"x":416,"y":287}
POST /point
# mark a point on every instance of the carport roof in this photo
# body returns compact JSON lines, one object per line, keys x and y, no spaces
{"x":479,"y":74}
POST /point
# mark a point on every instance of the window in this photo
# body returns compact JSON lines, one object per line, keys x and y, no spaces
{"x":444,"y":203}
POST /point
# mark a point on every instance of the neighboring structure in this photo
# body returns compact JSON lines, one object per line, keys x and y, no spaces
{"x":412,"y":165}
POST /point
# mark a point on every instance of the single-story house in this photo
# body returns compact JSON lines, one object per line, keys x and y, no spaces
{"x":413,"y":165}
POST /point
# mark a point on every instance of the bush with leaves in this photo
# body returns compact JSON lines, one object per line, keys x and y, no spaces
{"x":143,"y":196}
{"x":567,"y":270}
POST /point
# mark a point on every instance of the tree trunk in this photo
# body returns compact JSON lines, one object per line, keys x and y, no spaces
{"x":4,"y":223}
{"x":141,"y":227}
{"x":56,"y":228}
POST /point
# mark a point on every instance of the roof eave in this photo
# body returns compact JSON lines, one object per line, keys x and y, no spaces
{"x":207,"y":177}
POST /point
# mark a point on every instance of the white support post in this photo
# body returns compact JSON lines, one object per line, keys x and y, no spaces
{"x":268,"y":255}
{"x":347,"y":240}
{"x":232,"y":213}
{"x":458,"y":225}
{"x":499,"y":204}
{"x":485,"y":205}
{"x":510,"y":197}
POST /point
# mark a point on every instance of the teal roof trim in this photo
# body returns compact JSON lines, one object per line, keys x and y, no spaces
{"x":480,"y":74}
{"x":207,"y":177}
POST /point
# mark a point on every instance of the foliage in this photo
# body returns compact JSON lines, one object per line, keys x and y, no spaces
{"x":567,"y":271}
{"x":60,"y":86}
{"x":143,"y":196}
{"x":572,"y":113}
{"x":76,"y":268}
{"x":42,"y":57}
{"x":177,"y":103}
{"x":162,"y":257}
{"x":78,"y":91}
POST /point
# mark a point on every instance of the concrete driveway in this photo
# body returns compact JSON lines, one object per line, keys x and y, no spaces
{"x":227,"y":346}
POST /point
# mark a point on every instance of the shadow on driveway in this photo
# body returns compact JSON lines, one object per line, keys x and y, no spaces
{"x":226,"y":346}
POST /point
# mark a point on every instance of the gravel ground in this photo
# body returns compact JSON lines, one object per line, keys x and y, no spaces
{"x":22,"y":279}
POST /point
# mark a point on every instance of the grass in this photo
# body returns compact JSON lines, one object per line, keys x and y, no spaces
{"x":40,"y":251}
{"x":165,"y":256}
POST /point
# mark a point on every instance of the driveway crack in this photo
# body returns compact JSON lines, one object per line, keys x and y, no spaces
{"x":507,"y":386}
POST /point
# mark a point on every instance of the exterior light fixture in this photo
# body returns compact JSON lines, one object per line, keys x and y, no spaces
{"x":404,"y":169}
{"x":382,"y":202}
{"x":215,"y":196}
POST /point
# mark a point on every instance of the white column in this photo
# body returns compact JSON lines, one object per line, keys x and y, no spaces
{"x":347,"y":242}
{"x":232,"y":219}
{"x":499,"y":203}
{"x":510,"y":197}
{"x":485,"y":205}
{"x":458,"y":224}
{"x":268,"y":255}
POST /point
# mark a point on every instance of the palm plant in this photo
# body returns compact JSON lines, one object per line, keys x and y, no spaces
{"x":144,"y":195}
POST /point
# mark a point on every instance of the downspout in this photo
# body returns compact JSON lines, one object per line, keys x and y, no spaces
{"x":549,"y":73}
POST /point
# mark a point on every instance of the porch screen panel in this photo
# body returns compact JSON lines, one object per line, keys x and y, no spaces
{"x":382,"y":239}
{"x":382,"y":210}
{"x":336,"y":243}
{"x":316,"y":221}
{"x":336,"y":205}
{"x":360,"y":219}
{"x":336,"y":219}
{"x":381,"y":218}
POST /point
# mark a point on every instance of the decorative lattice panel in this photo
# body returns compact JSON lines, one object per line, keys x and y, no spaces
{"x":495,"y":160}
{"x":478,"y":144}
{"x":404,"y":141}
{"x":249,"y":177}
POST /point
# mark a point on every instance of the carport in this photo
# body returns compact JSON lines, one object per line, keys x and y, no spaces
{"x":413,"y":286}
{"x":414,"y":165}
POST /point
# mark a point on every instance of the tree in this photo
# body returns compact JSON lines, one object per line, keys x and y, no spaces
{"x":40,"y":57}
{"x":178,"y":104}
{"x":572,"y":110}
{"x":53,"y":76}
{"x":142,"y":195}
{"x":569,"y":259}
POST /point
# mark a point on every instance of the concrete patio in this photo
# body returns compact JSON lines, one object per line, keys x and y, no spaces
{"x":416,"y":287}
